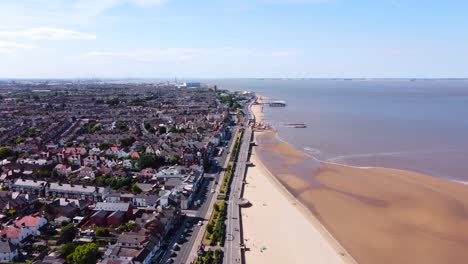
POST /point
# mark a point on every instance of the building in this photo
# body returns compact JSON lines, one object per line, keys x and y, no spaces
{"x":8,"y":251}
{"x":31,"y":224}
{"x":83,"y":192}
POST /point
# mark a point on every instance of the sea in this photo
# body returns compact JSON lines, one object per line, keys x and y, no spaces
{"x":418,"y":125}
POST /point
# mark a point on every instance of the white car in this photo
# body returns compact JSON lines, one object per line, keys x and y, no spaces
{"x":200,"y":223}
{"x":213,"y":190}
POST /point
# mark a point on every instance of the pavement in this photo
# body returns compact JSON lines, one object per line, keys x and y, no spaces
{"x":232,"y":245}
{"x":188,"y":249}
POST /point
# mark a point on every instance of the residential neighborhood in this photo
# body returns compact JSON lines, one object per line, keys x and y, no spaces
{"x":106,"y":172}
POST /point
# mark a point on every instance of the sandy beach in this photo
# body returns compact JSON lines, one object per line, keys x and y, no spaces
{"x":378,"y":215}
{"x":280,"y":224}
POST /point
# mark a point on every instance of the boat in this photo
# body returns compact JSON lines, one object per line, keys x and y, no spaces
{"x":299,"y":125}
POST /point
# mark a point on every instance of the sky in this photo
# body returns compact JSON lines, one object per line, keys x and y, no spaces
{"x":233,"y":39}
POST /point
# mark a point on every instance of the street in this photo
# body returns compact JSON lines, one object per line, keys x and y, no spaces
{"x":187,"y":250}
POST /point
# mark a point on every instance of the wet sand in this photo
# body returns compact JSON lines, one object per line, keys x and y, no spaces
{"x":280,"y":224}
{"x":378,"y":215}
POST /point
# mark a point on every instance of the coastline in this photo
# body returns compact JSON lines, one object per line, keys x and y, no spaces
{"x":275,"y":208}
{"x":379,"y":215}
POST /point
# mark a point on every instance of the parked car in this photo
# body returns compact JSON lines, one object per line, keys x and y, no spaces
{"x":200,"y":223}
{"x":175,"y":247}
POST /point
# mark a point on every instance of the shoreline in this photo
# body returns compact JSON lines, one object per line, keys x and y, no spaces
{"x":388,"y":211}
{"x":327,"y":248}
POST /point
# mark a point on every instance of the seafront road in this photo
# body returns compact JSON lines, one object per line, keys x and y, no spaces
{"x":233,"y":242}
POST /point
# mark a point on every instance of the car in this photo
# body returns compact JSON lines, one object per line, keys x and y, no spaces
{"x":175,"y":247}
{"x":213,"y":190}
{"x":200,"y":223}
{"x":181,"y":239}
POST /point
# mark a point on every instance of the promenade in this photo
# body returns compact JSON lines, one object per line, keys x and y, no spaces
{"x":234,"y":239}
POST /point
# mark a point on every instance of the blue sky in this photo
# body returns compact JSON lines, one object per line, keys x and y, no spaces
{"x":233,"y":38}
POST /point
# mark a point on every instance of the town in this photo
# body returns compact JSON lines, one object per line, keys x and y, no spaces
{"x":113,"y":172}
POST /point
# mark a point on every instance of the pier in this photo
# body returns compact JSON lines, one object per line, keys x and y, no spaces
{"x":274,"y":103}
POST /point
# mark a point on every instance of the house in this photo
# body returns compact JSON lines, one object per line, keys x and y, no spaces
{"x":62,"y":170}
{"x":135,"y":155}
{"x":114,"y":214}
{"x":31,"y":224}
{"x":95,"y":151}
{"x":124,"y":153}
{"x":13,"y":234}
{"x":87,"y":172}
{"x":17,"y":201}
{"x":91,"y":161}
{"x":65,"y":207}
{"x":80,"y":151}
{"x":131,"y":240}
{"x":147,"y":173}
{"x":84,"y":192}
{"x":113,"y":151}
{"x":137,"y":146}
{"x":142,"y":200}
{"x":117,"y":218}
{"x":98,"y":218}
{"x":75,"y":159}
{"x":8,"y":251}
{"x":127,"y":208}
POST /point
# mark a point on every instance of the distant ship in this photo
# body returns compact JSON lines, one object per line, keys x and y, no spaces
{"x":277,"y":104}
{"x":297,"y":125}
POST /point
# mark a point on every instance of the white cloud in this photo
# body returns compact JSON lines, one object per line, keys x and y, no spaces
{"x":8,"y":47}
{"x":21,"y":13}
{"x":47,"y":33}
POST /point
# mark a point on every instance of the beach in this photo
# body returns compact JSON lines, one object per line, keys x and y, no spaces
{"x":277,"y":228}
{"x":378,"y":215}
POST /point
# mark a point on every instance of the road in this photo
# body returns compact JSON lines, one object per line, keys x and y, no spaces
{"x":188,"y":249}
{"x":232,"y":246}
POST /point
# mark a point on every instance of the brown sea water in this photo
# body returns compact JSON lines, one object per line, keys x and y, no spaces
{"x":417,"y":125}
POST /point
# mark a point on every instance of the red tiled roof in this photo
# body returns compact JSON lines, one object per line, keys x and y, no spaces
{"x":29,"y":221}
{"x":11,"y":232}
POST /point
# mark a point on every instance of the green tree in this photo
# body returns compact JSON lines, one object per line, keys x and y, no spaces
{"x":135,"y":189}
{"x":102,"y":232}
{"x":67,"y":249}
{"x":162,"y":130}
{"x":218,"y":254}
{"x":67,"y":233}
{"x":127,"y":142}
{"x":113,"y":101}
{"x":122,"y":126}
{"x":174,"y":160}
{"x":150,"y":161}
{"x":200,"y":130}
{"x":209,"y":228}
{"x":19,"y":140}
{"x":5,"y":152}
{"x":208,"y":257}
{"x":93,"y":127}
{"x":84,"y":254}
{"x":105,"y":146}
